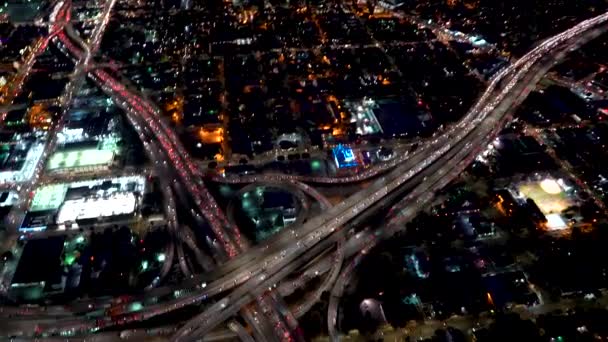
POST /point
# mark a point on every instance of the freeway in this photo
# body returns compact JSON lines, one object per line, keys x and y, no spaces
{"x":231,"y":249}
{"x":142,"y":116}
{"x":338,"y":287}
{"x":218,"y":312}
{"x":60,"y":10}
{"x":316,"y":235}
{"x":82,"y":306}
{"x":402,"y":212}
{"x":366,"y":174}
{"x":426,"y":171}
{"x":240,"y":331}
{"x":336,"y":264}
{"x":472,"y":135}
{"x":16,"y":85}
{"x":25,"y":192}
{"x":169,"y":210}
{"x":73,"y":48}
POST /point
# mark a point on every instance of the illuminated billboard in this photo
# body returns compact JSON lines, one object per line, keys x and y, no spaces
{"x":344,"y":157}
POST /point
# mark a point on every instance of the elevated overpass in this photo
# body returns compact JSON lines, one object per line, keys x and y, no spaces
{"x":426,"y":171}
{"x":454,"y":148}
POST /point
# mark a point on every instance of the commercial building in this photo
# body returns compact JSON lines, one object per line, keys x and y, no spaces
{"x":80,"y":160}
{"x":344,"y":157}
{"x":363,"y":116}
{"x":89,"y":143}
{"x":8,"y":198}
{"x":79,"y":204}
{"x":39,"y":271}
{"x":19,"y":156}
{"x":83,"y":156}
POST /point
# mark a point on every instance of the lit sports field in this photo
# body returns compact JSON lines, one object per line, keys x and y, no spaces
{"x":80,"y":158}
{"x":548,"y":195}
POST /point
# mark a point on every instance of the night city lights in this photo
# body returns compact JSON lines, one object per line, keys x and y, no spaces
{"x":319,"y":170}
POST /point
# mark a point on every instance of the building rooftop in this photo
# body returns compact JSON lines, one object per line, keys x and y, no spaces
{"x":80,"y":158}
{"x":40,"y":261}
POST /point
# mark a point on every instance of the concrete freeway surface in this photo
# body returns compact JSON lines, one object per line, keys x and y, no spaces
{"x":153,"y":131}
{"x":451,"y":149}
{"x":422,"y":173}
{"x":525,"y":68}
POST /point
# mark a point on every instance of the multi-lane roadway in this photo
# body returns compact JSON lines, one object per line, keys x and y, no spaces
{"x":152,"y":130}
{"x":256,"y":269}
{"x":461,"y":143}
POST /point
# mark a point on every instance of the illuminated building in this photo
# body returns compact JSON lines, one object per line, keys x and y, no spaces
{"x":211,"y":135}
{"x":18,"y":158}
{"x":39,"y":117}
{"x":82,"y":157}
{"x":69,"y":205}
{"x":344,"y":157}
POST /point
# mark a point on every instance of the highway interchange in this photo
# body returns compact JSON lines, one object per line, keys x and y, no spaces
{"x":248,"y":272}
